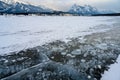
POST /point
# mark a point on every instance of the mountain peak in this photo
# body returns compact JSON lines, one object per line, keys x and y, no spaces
{"x":15,"y":6}
{"x":13,"y":1}
{"x":83,"y":10}
{"x":20,"y":7}
{"x":9,"y":1}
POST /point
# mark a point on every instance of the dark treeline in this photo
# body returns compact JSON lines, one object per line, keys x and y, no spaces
{"x":59,"y":13}
{"x":39,"y":13}
{"x":112,"y":14}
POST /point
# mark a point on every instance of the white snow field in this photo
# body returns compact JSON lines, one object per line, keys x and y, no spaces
{"x":21,"y":32}
{"x":113,"y":73}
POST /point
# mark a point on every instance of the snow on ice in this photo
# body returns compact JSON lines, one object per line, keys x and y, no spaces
{"x":19,"y":32}
{"x":114,"y":72}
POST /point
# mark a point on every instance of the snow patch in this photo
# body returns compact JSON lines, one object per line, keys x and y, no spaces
{"x":113,"y":73}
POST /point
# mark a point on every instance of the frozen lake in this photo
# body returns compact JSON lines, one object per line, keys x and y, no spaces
{"x":21,"y":32}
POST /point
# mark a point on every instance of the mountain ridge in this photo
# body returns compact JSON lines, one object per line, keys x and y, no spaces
{"x":26,"y":8}
{"x":22,"y":8}
{"x":83,"y":10}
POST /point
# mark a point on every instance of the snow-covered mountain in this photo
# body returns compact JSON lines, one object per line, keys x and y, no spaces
{"x":83,"y":10}
{"x":8,"y":1}
{"x":18,"y":7}
{"x":3,"y":6}
{"x":87,"y":10}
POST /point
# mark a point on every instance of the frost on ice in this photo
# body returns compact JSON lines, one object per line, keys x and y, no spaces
{"x":46,"y":54}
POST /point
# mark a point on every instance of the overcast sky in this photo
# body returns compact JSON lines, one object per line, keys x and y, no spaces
{"x":65,"y":4}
